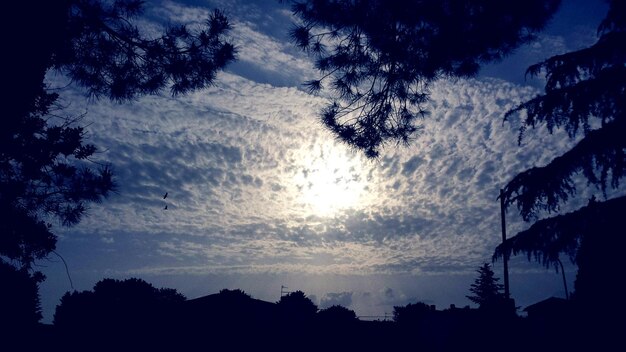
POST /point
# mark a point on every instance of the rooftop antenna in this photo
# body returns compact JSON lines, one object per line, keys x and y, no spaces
{"x":283,"y":290}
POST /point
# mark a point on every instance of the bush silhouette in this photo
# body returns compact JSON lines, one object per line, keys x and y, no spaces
{"x":337,"y":315}
{"x":411,"y":313}
{"x":117,"y":305}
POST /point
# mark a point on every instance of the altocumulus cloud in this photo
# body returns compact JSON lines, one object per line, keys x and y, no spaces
{"x":238,"y":159}
{"x":228,"y":157}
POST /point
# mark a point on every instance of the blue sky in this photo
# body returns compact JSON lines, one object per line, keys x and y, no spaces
{"x":260,"y":195}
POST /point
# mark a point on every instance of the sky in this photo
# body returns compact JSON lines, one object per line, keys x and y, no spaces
{"x":261,"y":196}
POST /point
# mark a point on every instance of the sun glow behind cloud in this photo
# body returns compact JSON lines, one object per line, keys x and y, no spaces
{"x":330,"y":179}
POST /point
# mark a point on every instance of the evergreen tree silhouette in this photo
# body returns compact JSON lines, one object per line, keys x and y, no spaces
{"x":486,"y":291}
{"x":378,"y":58}
{"x":582,"y":87}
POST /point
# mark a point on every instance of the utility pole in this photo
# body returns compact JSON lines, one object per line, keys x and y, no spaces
{"x":505,"y":257}
{"x":564,"y":281}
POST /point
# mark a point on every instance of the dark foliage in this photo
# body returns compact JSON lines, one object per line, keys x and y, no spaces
{"x":584,"y":89}
{"x":411,"y":313}
{"x":600,"y":262}
{"x":598,"y":156}
{"x":379,"y":57}
{"x":592,"y":237}
{"x":19,"y":298}
{"x":120,"y":315}
{"x":337,"y":315}
{"x":105,"y":52}
{"x":486,"y":291}
{"x":234,"y":295}
{"x":24,"y":238}
{"x":115,"y":305}
{"x":584,"y":85}
{"x":296,"y":306}
{"x":99,"y":46}
{"x":46,"y":169}
{"x":45,"y":173}
{"x":207,"y":322}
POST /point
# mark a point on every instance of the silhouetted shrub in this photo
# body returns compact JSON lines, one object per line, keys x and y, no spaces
{"x":411,"y":313}
{"x":236,"y":294}
{"x":296,"y":307}
{"x":337,"y":315}
{"x":117,"y":305}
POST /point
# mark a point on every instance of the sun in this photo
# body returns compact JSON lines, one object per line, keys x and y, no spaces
{"x":330,"y":179}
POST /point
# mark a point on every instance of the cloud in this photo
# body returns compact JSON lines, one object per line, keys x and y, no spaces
{"x":107,"y":240}
{"x":330,"y":299}
{"x":388,"y":293}
{"x":246,"y":162}
{"x":409,"y":167}
{"x":235,"y":159}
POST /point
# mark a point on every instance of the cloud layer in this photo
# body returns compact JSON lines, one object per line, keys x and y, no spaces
{"x":257,"y":187}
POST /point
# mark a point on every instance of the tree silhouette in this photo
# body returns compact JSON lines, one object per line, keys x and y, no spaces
{"x":486,"y":290}
{"x":126,"y":315}
{"x":337,"y":315}
{"x":234,"y":295}
{"x":582,"y":87}
{"x":115,"y":305}
{"x":378,"y":58}
{"x":44,"y":172}
{"x":99,"y":46}
{"x":296,"y":306}
{"x":235,"y":308}
{"x":412,"y":313}
{"x":105,"y":52}
{"x":46,"y":169}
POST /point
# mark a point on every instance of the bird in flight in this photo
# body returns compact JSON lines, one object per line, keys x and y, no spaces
{"x":165,"y":196}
